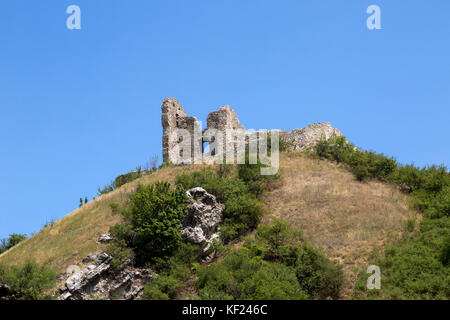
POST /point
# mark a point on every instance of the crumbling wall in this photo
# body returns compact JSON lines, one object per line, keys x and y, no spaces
{"x":304,"y":138}
{"x":173,"y":119}
{"x":224,"y":120}
{"x":231,"y":132}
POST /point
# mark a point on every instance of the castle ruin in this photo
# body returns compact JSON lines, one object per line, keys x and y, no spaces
{"x":183,"y":137}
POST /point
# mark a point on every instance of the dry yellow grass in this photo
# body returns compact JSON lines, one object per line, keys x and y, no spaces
{"x":73,"y":237}
{"x":346,"y":218}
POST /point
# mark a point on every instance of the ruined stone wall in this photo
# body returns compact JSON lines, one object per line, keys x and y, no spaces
{"x":304,"y":138}
{"x":225,"y":119}
{"x":174,"y":118}
{"x":232,"y":132}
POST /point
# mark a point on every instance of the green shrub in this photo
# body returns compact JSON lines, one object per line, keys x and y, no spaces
{"x":120,"y":181}
{"x":439,"y":205}
{"x":276,"y":264}
{"x":275,"y":236}
{"x":186,"y":254}
{"x":152,"y":292}
{"x":413,"y":268}
{"x":426,"y":183}
{"x":430,"y":187}
{"x":120,"y":252}
{"x":283,"y":145}
{"x":250,"y":174}
{"x":317,"y":275}
{"x":215,"y":282}
{"x":13,"y":240}
{"x":30,"y":281}
{"x":445,"y":252}
{"x":335,"y":148}
{"x":115,"y":208}
{"x":106,"y":189}
{"x":152,"y":221}
{"x":180,"y":264}
{"x":241,"y":276}
{"x":127,"y":177}
{"x":163,"y":287}
{"x":361,"y":172}
{"x":409,"y":175}
{"x":410,"y":225}
{"x":3,"y":245}
{"x":364,"y":164}
{"x":224,"y":170}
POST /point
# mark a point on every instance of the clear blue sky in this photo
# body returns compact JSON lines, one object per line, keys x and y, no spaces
{"x":79,"y":107}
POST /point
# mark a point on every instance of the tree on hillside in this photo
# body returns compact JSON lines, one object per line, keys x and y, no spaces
{"x":13,"y":239}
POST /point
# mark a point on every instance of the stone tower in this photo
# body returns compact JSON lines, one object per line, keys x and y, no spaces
{"x":174,"y":117}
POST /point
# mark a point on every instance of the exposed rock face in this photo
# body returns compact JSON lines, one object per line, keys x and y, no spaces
{"x":4,"y":292}
{"x":204,"y":214}
{"x":103,"y":238}
{"x":405,"y":188}
{"x":302,"y":139}
{"x":97,"y":281}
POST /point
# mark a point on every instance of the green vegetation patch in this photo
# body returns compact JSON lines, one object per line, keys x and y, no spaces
{"x":28,"y":282}
{"x":277,"y":264}
{"x":15,"y":238}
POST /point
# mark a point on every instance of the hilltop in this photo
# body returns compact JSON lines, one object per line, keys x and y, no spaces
{"x":346,"y":218}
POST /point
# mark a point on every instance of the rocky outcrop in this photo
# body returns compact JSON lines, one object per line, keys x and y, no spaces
{"x":104,"y":238}
{"x":99,"y":281}
{"x":303,"y":139}
{"x":403,"y":187}
{"x":5,"y":293}
{"x":199,"y":226}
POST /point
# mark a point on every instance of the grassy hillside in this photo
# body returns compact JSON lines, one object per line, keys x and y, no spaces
{"x":73,"y":237}
{"x":346,"y":218}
